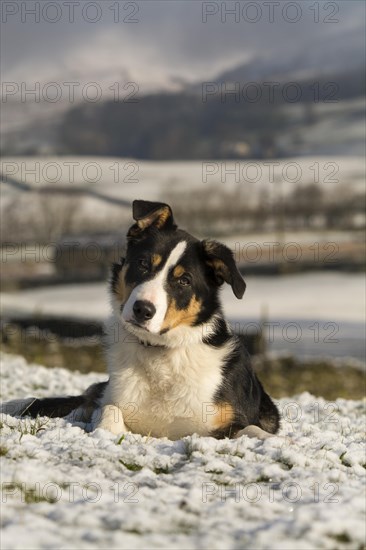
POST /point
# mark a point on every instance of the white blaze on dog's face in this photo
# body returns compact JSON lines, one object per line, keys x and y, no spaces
{"x":154,"y":292}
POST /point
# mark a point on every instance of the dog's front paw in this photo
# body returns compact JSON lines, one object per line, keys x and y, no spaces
{"x":110,"y":418}
{"x":254,"y":431}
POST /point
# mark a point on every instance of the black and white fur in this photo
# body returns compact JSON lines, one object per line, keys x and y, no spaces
{"x":175,"y":367}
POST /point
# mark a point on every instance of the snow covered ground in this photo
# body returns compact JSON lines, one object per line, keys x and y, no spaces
{"x":65,"y":488}
{"x":128,"y":178}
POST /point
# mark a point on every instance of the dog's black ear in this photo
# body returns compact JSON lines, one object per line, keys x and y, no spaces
{"x":221,"y":259}
{"x":150,"y":214}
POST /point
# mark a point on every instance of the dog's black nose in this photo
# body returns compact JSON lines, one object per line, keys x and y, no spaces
{"x":143,"y":310}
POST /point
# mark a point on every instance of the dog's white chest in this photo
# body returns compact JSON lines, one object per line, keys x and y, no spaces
{"x":166,"y":393}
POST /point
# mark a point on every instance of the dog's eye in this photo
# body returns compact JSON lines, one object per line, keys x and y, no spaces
{"x":185,"y":280}
{"x":143,"y":264}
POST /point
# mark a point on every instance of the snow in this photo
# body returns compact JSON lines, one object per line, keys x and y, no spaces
{"x":86,"y":301}
{"x":305,"y":296}
{"x":127,"y":179}
{"x":95,"y":490}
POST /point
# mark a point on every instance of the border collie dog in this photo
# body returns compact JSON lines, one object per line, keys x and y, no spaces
{"x":175,"y":366}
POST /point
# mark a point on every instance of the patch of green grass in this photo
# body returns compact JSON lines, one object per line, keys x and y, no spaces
{"x":188,"y":449}
{"x":341,"y":537}
{"x":262,"y":479}
{"x":57,"y":352}
{"x":32,"y":427}
{"x":161,"y":470}
{"x":3,"y":450}
{"x":286,"y":463}
{"x":29,"y":496}
{"x":285,"y":376}
{"x":238,"y":454}
{"x":131,"y":467}
{"x":219,"y":481}
{"x":185,"y":528}
{"x":36,"y":387}
{"x":32,"y":497}
{"x":344,"y":461}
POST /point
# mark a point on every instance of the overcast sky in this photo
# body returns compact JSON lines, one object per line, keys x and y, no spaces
{"x":169,"y":40}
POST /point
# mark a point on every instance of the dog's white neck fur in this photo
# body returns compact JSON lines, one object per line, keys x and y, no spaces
{"x":162,"y":391}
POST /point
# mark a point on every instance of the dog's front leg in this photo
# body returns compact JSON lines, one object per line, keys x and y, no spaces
{"x":111,"y":419}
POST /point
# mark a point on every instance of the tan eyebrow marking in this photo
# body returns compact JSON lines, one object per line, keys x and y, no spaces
{"x":178,"y":271}
{"x":156,"y":260}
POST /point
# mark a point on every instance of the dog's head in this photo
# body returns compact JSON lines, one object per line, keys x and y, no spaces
{"x":169,"y":280}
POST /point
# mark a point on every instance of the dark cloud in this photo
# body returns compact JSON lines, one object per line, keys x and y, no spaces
{"x":171,"y":39}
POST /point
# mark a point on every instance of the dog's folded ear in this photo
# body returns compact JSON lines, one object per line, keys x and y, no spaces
{"x":221,"y":259}
{"x":150,"y":214}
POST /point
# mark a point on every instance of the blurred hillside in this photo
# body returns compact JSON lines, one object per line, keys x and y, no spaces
{"x":224,"y":121}
{"x":232,"y":116}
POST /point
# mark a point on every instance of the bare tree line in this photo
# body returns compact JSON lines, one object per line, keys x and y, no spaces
{"x":217,"y":211}
{"x":306,"y":207}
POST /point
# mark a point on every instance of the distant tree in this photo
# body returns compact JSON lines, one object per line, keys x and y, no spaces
{"x":303,"y":204}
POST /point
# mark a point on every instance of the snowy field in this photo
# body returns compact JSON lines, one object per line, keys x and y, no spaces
{"x":65,"y":488}
{"x":125,"y":178}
